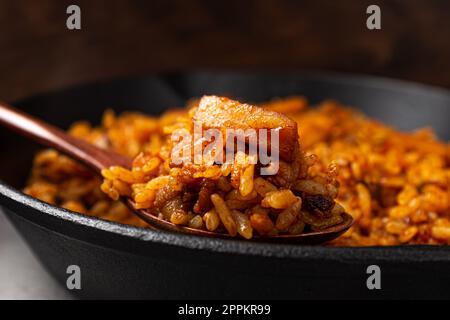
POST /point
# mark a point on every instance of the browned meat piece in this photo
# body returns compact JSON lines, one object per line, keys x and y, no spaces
{"x":220,"y":113}
{"x":203,"y":203}
{"x":318,"y":204}
{"x":164,"y":195}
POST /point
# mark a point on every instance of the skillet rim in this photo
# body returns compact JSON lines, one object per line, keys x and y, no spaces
{"x":414,"y":253}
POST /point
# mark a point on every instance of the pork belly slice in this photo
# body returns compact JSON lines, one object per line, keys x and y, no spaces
{"x":223,"y":113}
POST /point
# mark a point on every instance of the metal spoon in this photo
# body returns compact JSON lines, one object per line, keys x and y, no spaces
{"x":98,"y":159}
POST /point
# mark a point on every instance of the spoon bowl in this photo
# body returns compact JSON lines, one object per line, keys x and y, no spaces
{"x":98,"y":159}
{"x":313,"y":237}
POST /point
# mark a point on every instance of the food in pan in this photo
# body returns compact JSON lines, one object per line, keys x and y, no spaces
{"x":395,"y":185}
{"x":254,"y":180}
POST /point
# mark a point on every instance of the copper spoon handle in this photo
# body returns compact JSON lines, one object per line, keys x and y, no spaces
{"x":90,"y":155}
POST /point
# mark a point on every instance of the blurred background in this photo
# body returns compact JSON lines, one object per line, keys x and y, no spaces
{"x":119,"y":38}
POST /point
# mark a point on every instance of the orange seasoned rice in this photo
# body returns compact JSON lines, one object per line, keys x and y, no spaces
{"x":396,"y":185}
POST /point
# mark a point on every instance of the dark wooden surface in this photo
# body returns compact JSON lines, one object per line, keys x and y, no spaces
{"x":38,"y":53}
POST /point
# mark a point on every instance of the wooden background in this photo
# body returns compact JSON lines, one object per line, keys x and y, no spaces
{"x":118,"y":38}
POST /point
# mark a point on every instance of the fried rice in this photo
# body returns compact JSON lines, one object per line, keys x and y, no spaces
{"x":394,"y":184}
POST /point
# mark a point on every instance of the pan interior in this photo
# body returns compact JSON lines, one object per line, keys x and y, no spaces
{"x":403,"y":105}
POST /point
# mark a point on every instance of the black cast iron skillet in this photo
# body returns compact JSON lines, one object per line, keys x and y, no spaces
{"x":119,"y":261}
